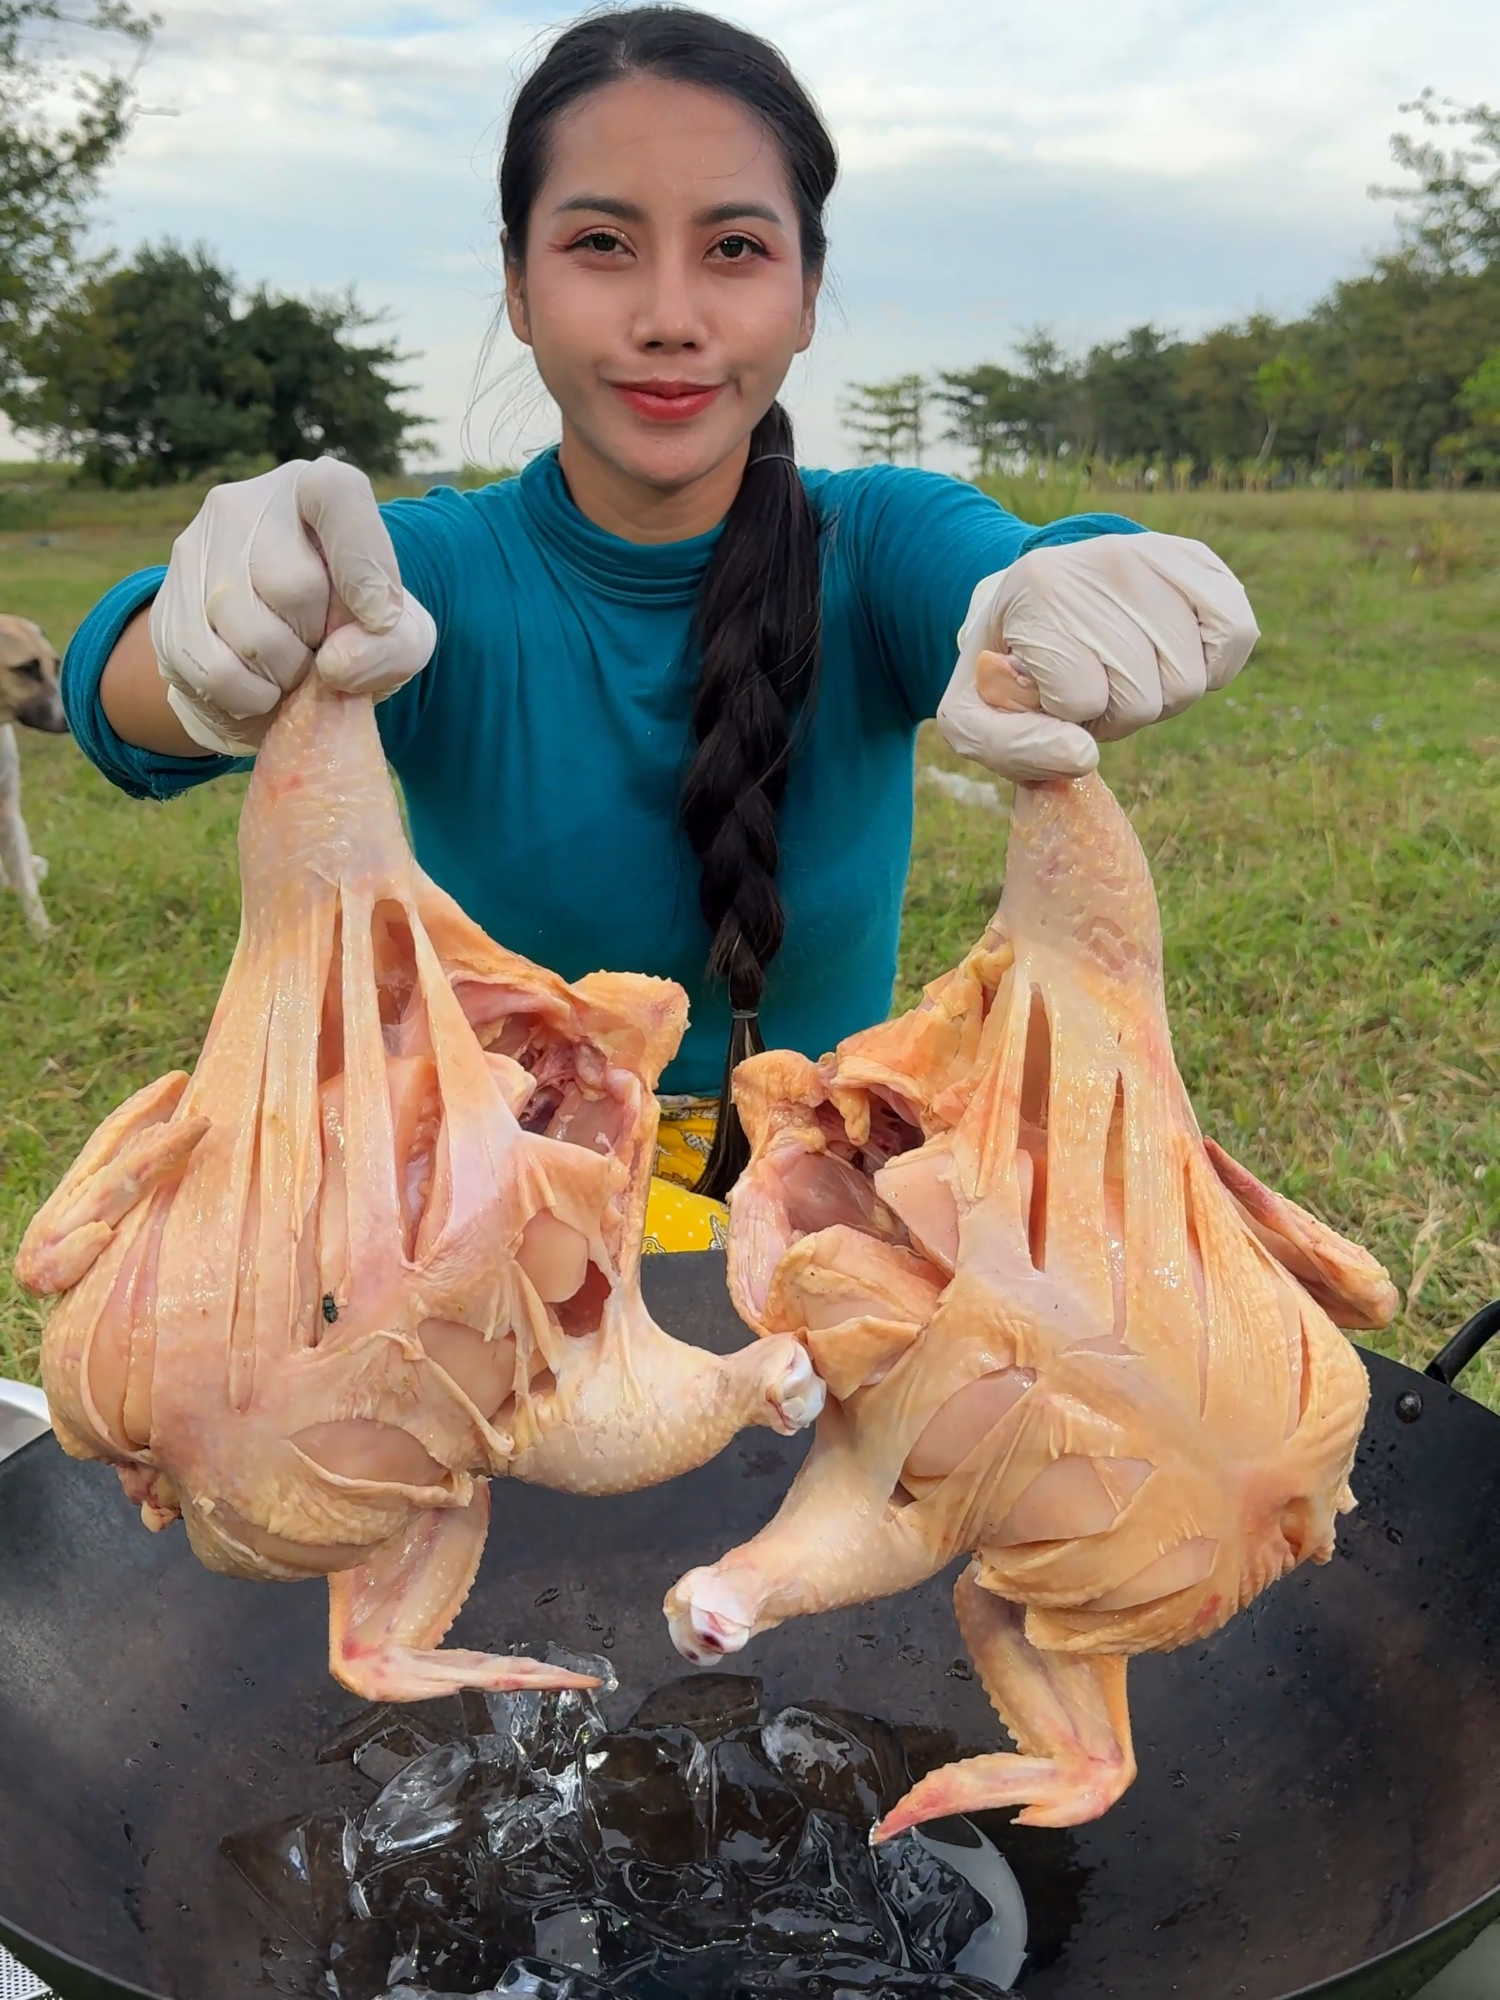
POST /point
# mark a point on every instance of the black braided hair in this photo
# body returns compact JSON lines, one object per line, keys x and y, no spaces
{"x":757,"y":625}
{"x":757,"y":629}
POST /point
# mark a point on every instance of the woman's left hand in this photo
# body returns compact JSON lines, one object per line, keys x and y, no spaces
{"x":1115,"y":632}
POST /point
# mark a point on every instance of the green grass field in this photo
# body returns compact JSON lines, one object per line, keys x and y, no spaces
{"x":1325,"y":840}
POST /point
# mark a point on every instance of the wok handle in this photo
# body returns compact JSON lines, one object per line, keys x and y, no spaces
{"x":1474,"y":1334}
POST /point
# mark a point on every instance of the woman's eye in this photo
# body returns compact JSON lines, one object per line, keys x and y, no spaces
{"x":597,"y":239}
{"x":738,"y":249}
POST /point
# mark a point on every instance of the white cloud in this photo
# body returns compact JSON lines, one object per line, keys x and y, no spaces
{"x":1006,"y":161}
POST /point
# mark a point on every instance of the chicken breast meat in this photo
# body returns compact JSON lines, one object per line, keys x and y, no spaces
{"x":384,"y":1244}
{"x":1063,"y":1333}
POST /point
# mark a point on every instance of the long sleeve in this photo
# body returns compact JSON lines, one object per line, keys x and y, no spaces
{"x":144,"y":774}
{"x":916,"y":544}
{"x":428,"y":537}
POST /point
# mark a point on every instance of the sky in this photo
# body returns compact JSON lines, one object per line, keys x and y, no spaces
{"x":1006,"y":163}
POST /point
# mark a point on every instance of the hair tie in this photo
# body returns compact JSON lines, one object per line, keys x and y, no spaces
{"x":744,"y":1014}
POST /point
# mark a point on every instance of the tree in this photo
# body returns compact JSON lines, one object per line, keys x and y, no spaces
{"x":1456,"y":226}
{"x":1215,"y":383}
{"x":1033,"y":410}
{"x":1479,"y":398}
{"x":1391,"y":374}
{"x":50,"y":168}
{"x":150,"y":372}
{"x":327,"y":392}
{"x":1277,"y":385}
{"x":979,"y":402}
{"x":1050,"y":411}
{"x":1134,"y":399}
{"x":1392,"y":350}
{"x":888,"y":419}
{"x":1477,"y":448}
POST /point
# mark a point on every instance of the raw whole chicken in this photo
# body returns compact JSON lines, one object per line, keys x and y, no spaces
{"x":1061,"y":1331}
{"x":384,"y":1243}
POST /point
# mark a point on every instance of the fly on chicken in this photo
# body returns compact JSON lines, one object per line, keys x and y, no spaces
{"x":384,"y":1243}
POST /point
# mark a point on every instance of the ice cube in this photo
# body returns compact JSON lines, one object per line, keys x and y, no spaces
{"x":391,"y":1748}
{"x":535,"y":1853}
{"x":381,"y":1724}
{"x":749,"y":1817}
{"x":638,"y":1795}
{"x":295,"y":1970}
{"x":534,"y":1979}
{"x":432,"y":1885}
{"x":360,"y":1727}
{"x":569,"y":1936}
{"x":838,"y":1761}
{"x":709,"y":1704}
{"x":362,"y":1960}
{"x":936,"y":1909}
{"x":684,"y":1907}
{"x":420,"y":1806}
{"x":548,"y":1729}
{"x":523,"y":1979}
{"x":301,"y":1867}
{"x":828,"y":1899}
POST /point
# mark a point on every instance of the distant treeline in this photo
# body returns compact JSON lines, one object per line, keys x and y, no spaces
{"x":159,"y":368}
{"x":1392,"y":378}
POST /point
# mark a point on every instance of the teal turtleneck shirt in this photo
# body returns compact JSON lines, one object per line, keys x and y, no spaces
{"x":542,"y":750}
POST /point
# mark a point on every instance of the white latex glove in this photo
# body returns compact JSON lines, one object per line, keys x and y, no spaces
{"x":249,"y":592}
{"x":1114,"y":632}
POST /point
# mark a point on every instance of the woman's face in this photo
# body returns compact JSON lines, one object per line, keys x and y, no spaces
{"x":662,"y":292}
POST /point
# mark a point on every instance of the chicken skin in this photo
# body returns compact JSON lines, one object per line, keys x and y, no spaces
{"x":383,"y":1245}
{"x":1062,"y":1332}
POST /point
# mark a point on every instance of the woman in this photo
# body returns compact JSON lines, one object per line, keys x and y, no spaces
{"x":653,"y":703}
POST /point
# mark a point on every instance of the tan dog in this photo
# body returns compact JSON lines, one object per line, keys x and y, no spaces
{"x":28,"y":695}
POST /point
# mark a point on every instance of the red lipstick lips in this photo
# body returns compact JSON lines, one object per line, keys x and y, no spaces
{"x":667,"y":402}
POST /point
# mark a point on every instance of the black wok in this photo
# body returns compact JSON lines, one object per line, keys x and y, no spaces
{"x":1318,"y":1809}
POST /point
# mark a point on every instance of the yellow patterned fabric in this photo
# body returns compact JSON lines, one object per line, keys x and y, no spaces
{"x":676,"y":1218}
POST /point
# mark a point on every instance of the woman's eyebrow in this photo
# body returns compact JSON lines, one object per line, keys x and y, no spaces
{"x":602,"y":204}
{"x":735,"y":211}
{"x":706,"y":218}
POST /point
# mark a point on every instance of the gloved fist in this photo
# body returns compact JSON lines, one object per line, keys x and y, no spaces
{"x":1114,"y":633}
{"x":250,"y":591}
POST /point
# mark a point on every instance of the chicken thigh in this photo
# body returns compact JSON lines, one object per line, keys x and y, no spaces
{"x":384,"y":1243}
{"x":1062,"y":1332}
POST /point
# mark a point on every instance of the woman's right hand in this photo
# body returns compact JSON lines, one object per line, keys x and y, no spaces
{"x":246,"y":604}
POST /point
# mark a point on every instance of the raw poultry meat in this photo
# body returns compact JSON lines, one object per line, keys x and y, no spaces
{"x":385,"y":1241}
{"x":1061,"y":1331}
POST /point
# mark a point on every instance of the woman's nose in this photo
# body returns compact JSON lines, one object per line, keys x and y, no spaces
{"x":669,"y":314}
